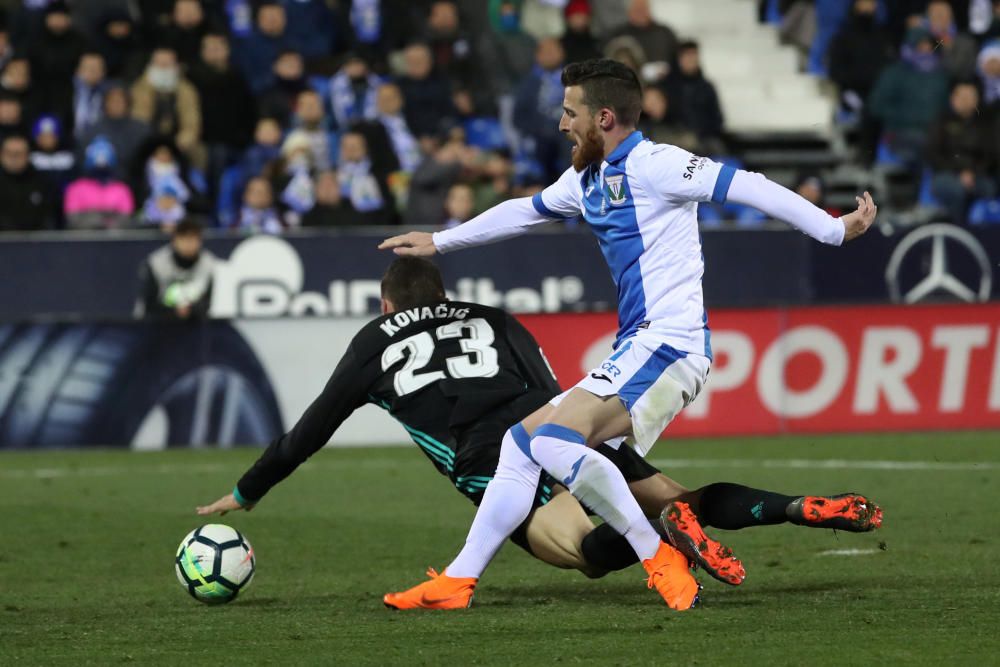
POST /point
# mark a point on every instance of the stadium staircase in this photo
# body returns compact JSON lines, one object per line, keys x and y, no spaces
{"x":779,"y":120}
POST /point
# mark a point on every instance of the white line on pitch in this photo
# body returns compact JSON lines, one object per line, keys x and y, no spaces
{"x":826,"y":464}
{"x":382,"y":463}
{"x":848,"y":552}
{"x":106,"y":471}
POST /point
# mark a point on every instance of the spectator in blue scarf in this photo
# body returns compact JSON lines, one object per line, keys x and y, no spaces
{"x":957,"y":50}
{"x":352,"y":92}
{"x":258,"y":214}
{"x":89,"y":86}
{"x":988,"y":64}
{"x":909,"y":95}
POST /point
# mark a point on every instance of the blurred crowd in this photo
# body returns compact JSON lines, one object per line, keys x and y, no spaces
{"x":919,"y":89}
{"x":269,"y":115}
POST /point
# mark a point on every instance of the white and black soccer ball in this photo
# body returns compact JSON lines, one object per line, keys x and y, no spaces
{"x":214,"y":563}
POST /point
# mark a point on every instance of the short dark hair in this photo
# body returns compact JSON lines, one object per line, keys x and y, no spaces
{"x":412,"y":281}
{"x":687,"y":45}
{"x":188,"y":227}
{"x":609,"y":84}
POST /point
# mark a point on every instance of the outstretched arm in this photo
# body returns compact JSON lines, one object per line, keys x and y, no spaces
{"x":343,"y":394}
{"x":780,"y":203}
{"x":513,"y":217}
{"x":682,"y":177}
{"x":509,"y":218}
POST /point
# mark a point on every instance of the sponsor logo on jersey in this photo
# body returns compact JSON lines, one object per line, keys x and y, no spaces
{"x":616,"y":189}
{"x":694,"y":164}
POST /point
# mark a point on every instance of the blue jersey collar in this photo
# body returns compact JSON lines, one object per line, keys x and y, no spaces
{"x":625,"y":147}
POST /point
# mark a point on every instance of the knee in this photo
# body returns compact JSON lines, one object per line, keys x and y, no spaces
{"x":515,"y":460}
{"x":549,"y":438}
{"x":516,"y":443}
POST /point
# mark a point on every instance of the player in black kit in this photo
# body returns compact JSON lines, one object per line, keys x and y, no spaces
{"x":456,"y":376}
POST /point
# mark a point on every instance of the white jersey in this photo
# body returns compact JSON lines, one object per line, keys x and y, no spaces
{"x":641,"y":203}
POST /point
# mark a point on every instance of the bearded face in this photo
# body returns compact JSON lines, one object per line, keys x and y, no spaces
{"x":579,"y":125}
{"x":588,"y":147}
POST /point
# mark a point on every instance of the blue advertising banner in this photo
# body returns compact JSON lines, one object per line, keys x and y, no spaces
{"x":77,"y":384}
{"x":96,"y":276}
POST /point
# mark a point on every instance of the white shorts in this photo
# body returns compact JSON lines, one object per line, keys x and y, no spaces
{"x":653,"y":380}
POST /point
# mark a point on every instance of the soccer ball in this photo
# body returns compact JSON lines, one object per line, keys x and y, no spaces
{"x":214,"y":563}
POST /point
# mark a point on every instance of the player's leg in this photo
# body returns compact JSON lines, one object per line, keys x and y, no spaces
{"x":562,"y":446}
{"x":507,"y":501}
{"x":561,"y":533}
{"x":554,"y":533}
{"x":682,"y":513}
{"x":734,"y":506}
{"x":505,"y":505}
{"x":656,"y":494}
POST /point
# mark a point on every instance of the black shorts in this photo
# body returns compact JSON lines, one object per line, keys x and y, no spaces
{"x":479,"y":453}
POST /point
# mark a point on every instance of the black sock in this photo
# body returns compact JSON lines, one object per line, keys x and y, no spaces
{"x":606,"y":549}
{"x":733,"y":506}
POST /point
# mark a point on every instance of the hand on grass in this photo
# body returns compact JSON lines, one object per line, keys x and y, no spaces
{"x":226,"y":503}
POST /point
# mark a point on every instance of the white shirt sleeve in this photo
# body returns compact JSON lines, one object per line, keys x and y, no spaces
{"x":780,"y":203}
{"x":679,"y":176}
{"x":559,"y":201}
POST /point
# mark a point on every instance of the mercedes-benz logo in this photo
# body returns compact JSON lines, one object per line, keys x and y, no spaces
{"x":938,"y":277}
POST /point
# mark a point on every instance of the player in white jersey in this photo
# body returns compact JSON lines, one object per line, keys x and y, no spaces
{"x":641,"y":200}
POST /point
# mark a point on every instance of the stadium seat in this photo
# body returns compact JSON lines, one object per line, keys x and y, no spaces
{"x":985,"y":212}
{"x":884,"y":157}
{"x":830,"y":14}
{"x":485,"y":133}
{"x":747,"y":216}
{"x":230,"y":190}
{"x":772,"y":14}
{"x":321,"y":85}
{"x":199,"y":181}
{"x":709,"y":215}
{"x":925,"y":196}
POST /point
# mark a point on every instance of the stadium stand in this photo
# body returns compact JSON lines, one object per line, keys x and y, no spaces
{"x":780,"y":86}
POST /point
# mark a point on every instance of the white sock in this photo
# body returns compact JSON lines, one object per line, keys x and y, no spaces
{"x":506,"y":504}
{"x":596,"y":483}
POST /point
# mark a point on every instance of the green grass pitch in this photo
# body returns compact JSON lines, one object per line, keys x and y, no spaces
{"x":88,"y":538}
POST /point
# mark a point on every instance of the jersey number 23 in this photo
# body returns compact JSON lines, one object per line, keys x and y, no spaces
{"x":478,"y":358}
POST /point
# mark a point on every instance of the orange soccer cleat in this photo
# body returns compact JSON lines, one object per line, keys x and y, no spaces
{"x":670,"y":576}
{"x":685,"y":533}
{"x":440,"y":592}
{"x":848,"y":511}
